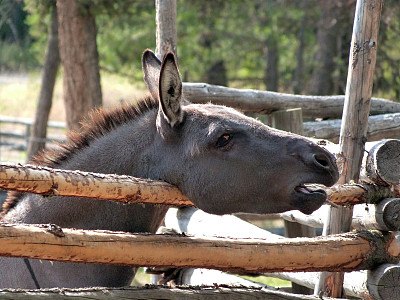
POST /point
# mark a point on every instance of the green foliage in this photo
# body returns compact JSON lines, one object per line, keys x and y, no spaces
{"x":238,"y":33}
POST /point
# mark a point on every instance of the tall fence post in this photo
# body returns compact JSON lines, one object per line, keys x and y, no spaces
{"x":353,"y":134}
{"x":166,"y":33}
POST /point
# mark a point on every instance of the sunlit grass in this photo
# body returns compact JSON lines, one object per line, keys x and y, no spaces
{"x":19,"y":94}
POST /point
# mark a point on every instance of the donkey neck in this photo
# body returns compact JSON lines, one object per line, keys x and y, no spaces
{"x":124,"y":150}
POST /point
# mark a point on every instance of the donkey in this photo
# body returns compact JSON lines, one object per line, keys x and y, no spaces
{"x":224,"y":161}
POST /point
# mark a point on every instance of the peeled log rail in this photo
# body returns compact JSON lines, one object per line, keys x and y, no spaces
{"x":268,"y":102}
{"x":379,"y":127}
{"x":153,"y":292}
{"x":381,"y":283}
{"x":121,"y":188}
{"x":57,"y":182}
{"x":344,"y":252}
{"x":382,"y":216}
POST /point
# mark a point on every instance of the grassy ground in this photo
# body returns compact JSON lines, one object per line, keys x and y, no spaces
{"x":19,"y":94}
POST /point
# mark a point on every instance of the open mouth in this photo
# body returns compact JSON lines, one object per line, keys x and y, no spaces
{"x":308,"y":199}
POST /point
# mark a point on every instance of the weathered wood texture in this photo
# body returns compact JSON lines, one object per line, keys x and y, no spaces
{"x":268,"y":102}
{"x":345,"y":252}
{"x":166,"y":33}
{"x":353,"y":133}
{"x":355,"y":283}
{"x":80,"y":60}
{"x":46,"y":181}
{"x":196,"y":222}
{"x":379,"y":127}
{"x":121,"y":188}
{"x":153,"y":292}
{"x":381,"y":283}
{"x":382,"y":216}
{"x":383,"y":163}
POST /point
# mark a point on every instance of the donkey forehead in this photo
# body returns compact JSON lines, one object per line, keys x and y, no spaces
{"x":214,"y":117}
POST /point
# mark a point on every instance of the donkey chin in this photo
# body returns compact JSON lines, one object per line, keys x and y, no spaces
{"x":307,"y":200}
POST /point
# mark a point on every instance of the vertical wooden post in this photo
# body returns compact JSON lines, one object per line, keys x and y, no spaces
{"x":166,"y":33}
{"x":354,"y":122}
{"x":166,"y":40}
{"x":292,"y":120}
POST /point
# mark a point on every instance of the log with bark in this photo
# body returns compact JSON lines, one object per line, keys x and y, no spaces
{"x":343,"y":252}
{"x":267,"y":102}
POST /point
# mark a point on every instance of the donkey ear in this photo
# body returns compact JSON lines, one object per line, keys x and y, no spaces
{"x":151,"y":66}
{"x":170,"y":90}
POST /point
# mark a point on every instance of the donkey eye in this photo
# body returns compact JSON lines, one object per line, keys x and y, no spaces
{"x":224,"y":140}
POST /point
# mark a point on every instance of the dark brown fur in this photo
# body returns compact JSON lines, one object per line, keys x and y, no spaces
{"x":99,"y":123}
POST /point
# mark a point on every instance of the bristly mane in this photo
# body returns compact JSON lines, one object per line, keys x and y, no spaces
{"x":99,"y":123}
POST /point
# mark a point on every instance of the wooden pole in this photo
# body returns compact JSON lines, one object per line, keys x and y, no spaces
{"x":344,"y":252}
{"x":355,"y":118}
{"x":166,"y":33}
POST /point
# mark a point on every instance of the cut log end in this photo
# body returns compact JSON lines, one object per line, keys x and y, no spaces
{"x":383,"y":282}
{"x":383,"y":162}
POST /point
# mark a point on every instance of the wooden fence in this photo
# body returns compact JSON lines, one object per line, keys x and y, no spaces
{"x":376,"y":253}
{"x":245,"y":249}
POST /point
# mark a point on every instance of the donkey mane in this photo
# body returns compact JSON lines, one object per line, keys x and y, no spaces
{"x":99,"y":123}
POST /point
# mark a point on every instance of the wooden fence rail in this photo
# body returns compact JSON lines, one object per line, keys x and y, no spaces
{"x":343,"y":252}
{"x":121,"y":188}
{"x":267,"y":102}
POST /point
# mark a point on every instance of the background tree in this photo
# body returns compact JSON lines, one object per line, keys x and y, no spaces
{"x":50,"y":68}
{"x":80,"y":60}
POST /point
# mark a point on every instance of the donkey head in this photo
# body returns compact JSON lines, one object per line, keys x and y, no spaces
{"x":226,"y":162}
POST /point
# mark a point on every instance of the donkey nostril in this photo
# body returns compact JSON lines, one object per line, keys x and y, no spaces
{"x":321,"y":160}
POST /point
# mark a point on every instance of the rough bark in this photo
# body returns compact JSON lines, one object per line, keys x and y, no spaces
{"x":299,"y":71}
{"x":385,"y":126}
{"x":267,"y":102}
{"x":78,"y":50}
{"x":322,"y":80}
{"x":153,"y":292}
{"x":51,"y":64}
{"x":344,"y":252}
{"x":271,"y":70}
{"x":216,"y":74}
{"x":166,"y":33}
{"x":353,"y":134}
